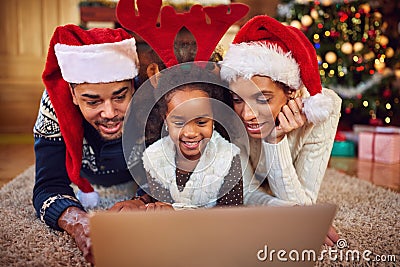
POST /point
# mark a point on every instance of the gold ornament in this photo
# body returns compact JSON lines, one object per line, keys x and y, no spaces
{"x":379,"y":66}
{"x":389,"y":52}
{"x":366,"y":7}
{"x":314,"y":14}
{"x":378,"y":15}
{"x":330,"y":57}
{"x":296,"y":24}
{"x":370,"y":55}
{"x":397,"y":73}
{"x":326,"y":2}
{"x":357,"y":47}
{"x":306,"y":20}
{"x":347,"y":48}
{"x":383,"y":40}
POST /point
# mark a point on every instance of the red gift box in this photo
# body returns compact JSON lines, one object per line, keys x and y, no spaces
{"x":382,"y":145}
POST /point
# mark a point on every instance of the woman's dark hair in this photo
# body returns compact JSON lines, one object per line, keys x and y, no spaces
{"x":182,"y":78}
{"x":286,"y":88}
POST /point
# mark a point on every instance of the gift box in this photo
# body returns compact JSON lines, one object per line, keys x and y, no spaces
{"x":380,"y":145}
{"x":343,"y":149}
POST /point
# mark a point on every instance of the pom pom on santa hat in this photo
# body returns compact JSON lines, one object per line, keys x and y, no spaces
{"x":266,"y":47}
{"x":84,"y":56}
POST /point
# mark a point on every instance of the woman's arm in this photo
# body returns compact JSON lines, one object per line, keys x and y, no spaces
{"x":253,"y":192}
{"x":298,"y":179}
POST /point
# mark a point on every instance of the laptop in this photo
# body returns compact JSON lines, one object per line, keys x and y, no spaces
{"x":240,"y":236}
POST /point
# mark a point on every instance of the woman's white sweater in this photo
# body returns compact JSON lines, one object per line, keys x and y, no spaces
{"x":294,"y":167}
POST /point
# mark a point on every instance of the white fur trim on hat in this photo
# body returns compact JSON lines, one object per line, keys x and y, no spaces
{"x":318,"y":107}
{"x":257,"y":58}
{"x":88,"y":200}
{"x":98,"y":63}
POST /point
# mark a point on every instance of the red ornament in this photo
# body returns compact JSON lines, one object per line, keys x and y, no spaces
{"x":387,"y":93}
{"x":375,"y":122}
{"x":344,"y":18}
{"x":340,"y":136}
{"x":334,"y":34}
{"x":359,"y":96}
{"x":371,"y":33}
{"x":347,"y":110}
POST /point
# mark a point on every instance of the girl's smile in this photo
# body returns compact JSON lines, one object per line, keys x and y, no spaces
{"x":189,"y":121}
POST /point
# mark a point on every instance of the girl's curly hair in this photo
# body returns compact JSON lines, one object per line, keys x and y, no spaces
{"x":185,"y":77}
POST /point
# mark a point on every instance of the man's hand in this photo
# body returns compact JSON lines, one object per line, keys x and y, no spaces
{"x":129,"y":205}
{"x":290,"y":118}
{"x":76,"y":223}
{"x":332,"y":237}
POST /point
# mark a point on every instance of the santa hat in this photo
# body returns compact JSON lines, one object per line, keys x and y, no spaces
{"x":84,"y":56}
{"x":264,"y":46}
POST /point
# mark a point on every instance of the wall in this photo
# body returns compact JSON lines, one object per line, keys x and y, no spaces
{"x":26,"y":27}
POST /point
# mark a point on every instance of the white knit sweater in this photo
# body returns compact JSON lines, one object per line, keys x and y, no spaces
{"x":294,"y":167}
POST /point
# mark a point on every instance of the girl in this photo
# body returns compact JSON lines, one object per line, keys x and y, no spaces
{"x":291,"y":121}
{"x":193,"y":165}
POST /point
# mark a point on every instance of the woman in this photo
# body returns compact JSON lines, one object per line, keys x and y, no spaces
{"x":291,"y":121}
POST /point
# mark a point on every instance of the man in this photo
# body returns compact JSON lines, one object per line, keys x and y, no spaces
{"x":89,"y":83}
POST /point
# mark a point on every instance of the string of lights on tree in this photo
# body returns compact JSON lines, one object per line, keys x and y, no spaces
{"x":356,"y":58}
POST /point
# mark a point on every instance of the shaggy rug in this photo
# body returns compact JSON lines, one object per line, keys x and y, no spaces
{"x":367,"y":220}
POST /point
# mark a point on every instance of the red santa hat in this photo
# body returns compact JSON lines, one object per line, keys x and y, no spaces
{"x":84,"y":56}
{"x":264,"y":46}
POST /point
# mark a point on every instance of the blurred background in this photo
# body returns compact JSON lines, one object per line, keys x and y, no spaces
{"x":357,"y":44}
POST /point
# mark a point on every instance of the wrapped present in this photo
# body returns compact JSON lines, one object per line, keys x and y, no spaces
{"x":342,"y":147}
{"x":381,"y":145}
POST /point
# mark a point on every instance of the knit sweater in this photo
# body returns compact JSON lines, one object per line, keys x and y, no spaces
{"x":294,"y":167}
{"x":103,"y":164}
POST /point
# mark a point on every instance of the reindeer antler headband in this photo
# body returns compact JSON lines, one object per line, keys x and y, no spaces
{"x":207,"y":24}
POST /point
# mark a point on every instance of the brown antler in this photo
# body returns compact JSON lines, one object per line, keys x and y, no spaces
{"x":161,"y":37}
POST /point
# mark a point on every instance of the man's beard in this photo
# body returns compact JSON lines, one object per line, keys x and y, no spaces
{"x":108,"y":137}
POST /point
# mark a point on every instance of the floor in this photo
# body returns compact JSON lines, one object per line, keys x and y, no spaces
{"x":385,"y":175}
{"x":16,"y":154}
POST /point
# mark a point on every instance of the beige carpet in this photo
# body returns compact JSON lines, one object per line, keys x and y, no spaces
{"x":368,"y":219}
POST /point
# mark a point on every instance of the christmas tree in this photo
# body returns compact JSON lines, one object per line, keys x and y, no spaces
{"x":356,"y":57}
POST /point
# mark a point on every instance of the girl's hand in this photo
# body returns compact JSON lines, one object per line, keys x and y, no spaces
{"x":128,"y":205}
{"x":290,"y":118}
{"x":158,"y":206}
